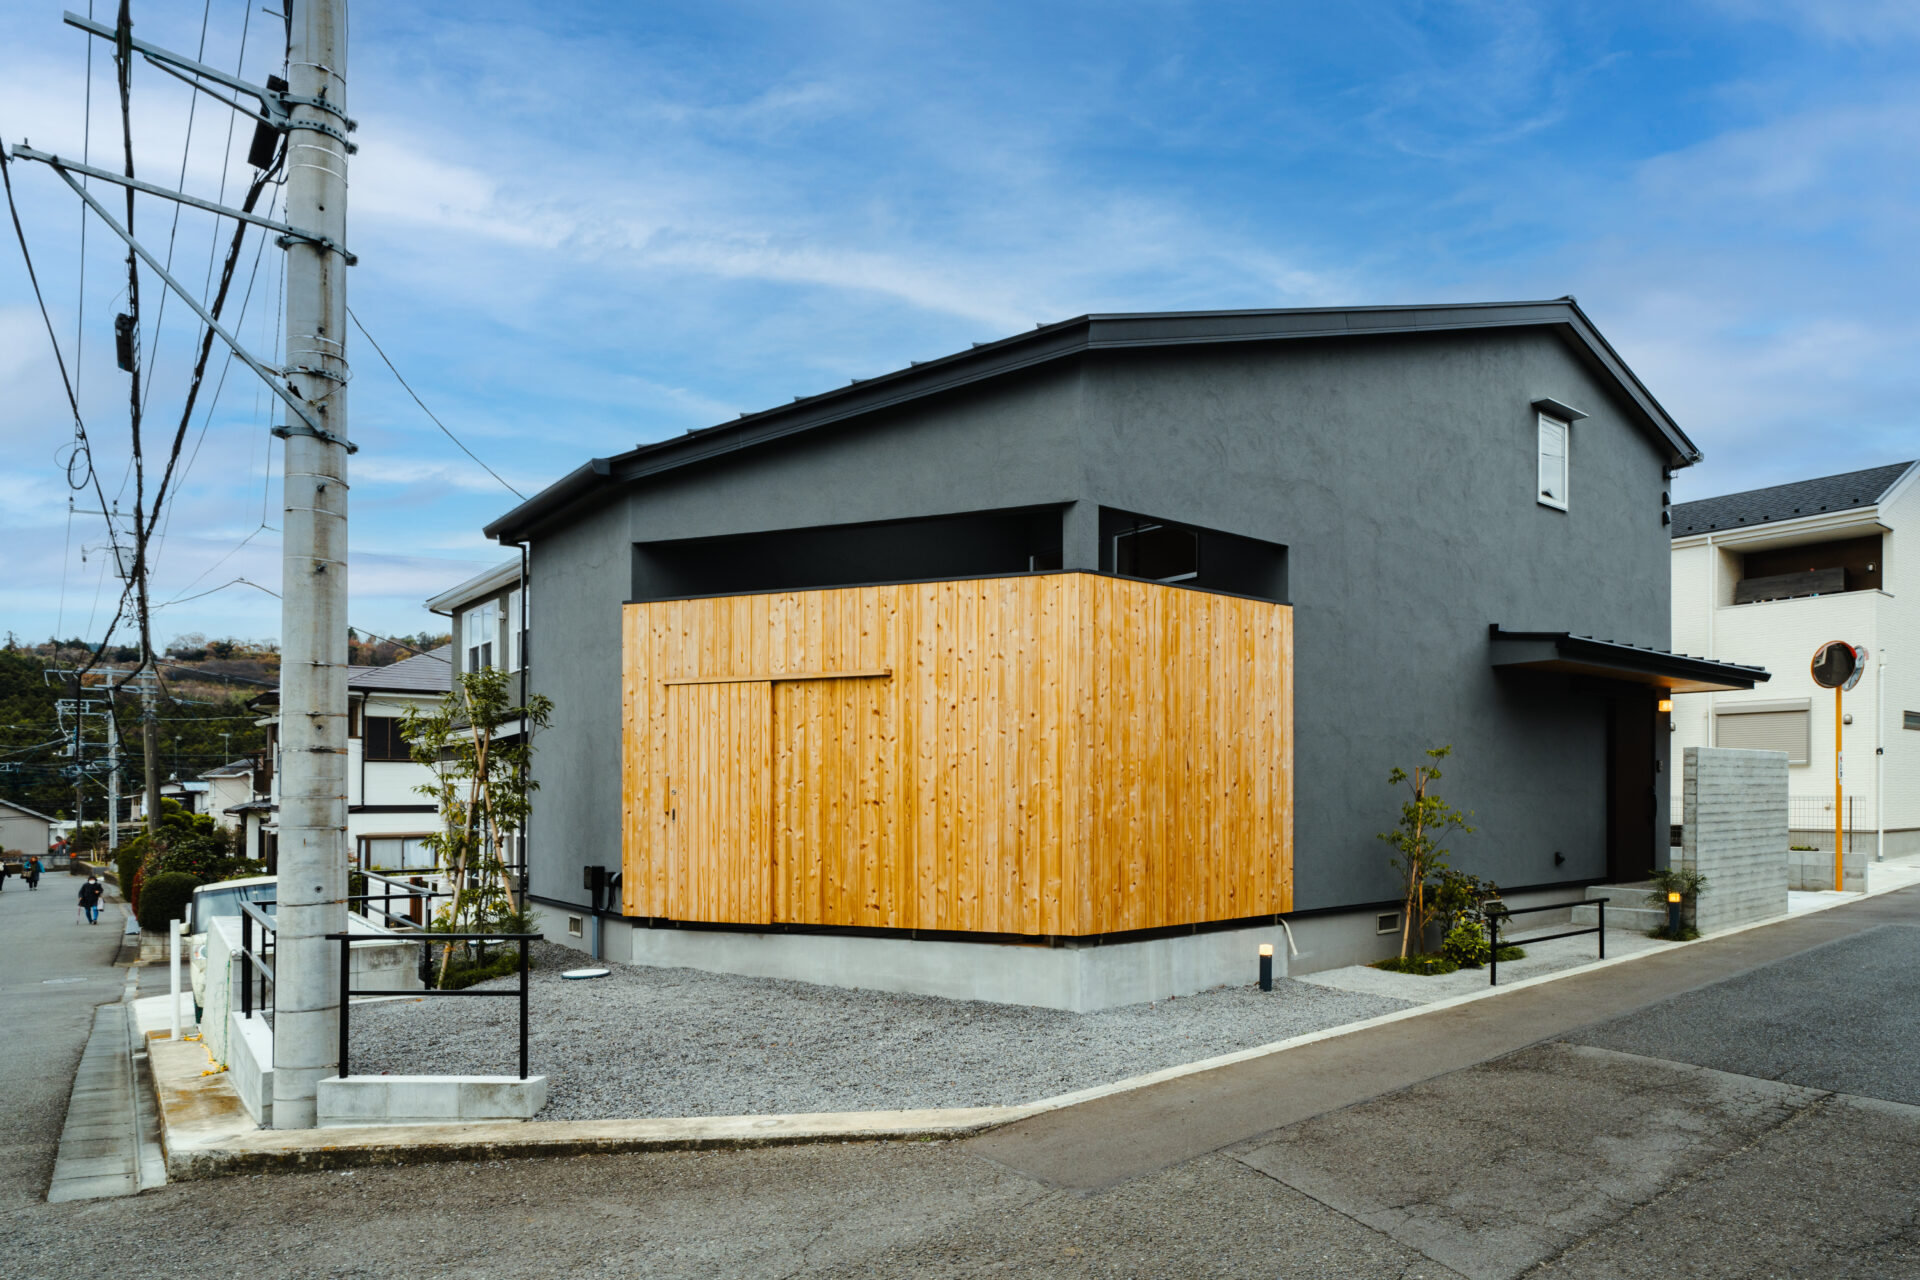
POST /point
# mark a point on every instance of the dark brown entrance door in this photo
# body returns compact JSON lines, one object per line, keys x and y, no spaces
{"x":1630,"y":787}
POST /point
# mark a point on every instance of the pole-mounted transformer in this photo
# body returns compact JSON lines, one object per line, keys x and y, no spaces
{"x":123,"y":341}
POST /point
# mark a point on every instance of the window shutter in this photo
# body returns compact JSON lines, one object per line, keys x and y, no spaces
{"x":1787,"y":731}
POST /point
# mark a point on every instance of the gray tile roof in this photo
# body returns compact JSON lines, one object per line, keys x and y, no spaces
{"x":422,"y":673}
{"x":1786,"y":501}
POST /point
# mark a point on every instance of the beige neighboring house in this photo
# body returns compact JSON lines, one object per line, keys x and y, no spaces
{"x":1765,"y":578}
{"x":388,"y":820}
{"x":25,"y":830}
{"x":228,"y":787}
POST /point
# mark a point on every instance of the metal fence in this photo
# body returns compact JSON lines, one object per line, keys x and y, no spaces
{"x":1810,"y":822}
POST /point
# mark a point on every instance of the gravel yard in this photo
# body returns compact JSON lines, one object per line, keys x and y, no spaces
{"x":679,"y":1042}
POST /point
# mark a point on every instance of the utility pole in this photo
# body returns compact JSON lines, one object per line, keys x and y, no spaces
{"x":311,"y":891}
{"x":113,"y":778}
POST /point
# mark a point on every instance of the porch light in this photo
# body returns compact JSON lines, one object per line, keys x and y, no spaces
{"x":1666,"y":706}
{"x":1673,"y":897}
{"x":1266,"y":966}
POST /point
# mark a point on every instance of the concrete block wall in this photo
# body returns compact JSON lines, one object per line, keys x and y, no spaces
{"x":1735,"y":805}
{"x":1813,"y":868}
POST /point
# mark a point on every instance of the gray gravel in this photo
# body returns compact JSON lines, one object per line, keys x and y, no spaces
{"x":679,"y":1042}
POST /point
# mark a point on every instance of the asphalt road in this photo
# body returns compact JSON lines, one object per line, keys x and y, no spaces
{"x":1728,"y":1109}
{"x":52,"y":974}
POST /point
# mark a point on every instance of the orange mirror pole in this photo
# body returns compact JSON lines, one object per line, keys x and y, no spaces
{"x":1838,"y":882}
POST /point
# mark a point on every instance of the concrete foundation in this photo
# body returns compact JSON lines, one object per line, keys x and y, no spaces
{"x":1075,"y":978}
{"x":1079,"y":979}
{"x":381,"y":1100}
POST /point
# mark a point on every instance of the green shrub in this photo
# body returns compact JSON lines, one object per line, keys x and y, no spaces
{"x":1513,"y":953}
{"x":501,"y":963}
{"x":1422,"y":966}
{"x":1466,"y":945}
{"x":164,"y":897}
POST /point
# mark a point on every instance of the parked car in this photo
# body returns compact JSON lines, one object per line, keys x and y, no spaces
{"x":210,"y":902}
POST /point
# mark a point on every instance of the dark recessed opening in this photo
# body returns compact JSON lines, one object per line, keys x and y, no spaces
{"x":1141,"y":546}
{"x":978,"y":544}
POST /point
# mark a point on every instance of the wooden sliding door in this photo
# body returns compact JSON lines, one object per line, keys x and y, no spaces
{"x":717,"y":812}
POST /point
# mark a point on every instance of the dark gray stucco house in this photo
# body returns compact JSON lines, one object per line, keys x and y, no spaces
{"x":1464,"y":509}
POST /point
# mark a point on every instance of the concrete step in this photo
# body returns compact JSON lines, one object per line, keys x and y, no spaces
{"x":1621,"y":895}
{"x":1621,"y":917}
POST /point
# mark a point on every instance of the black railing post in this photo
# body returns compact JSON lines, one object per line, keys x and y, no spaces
{"x":1493,"y":949}
{"x":523,"y":1008}
{"x":346,"y":1003}
{"x":246,"y":966}
{"x":1603,"y":928}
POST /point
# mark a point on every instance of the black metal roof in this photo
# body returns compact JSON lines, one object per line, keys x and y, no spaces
{"x":1562,"y":651}
{"x":1090,"y":333}
{"x":1844,"y":492}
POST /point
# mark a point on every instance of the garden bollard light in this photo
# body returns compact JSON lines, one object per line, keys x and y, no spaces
{"x":1266,"y":966}
{"x":1673,"y":916}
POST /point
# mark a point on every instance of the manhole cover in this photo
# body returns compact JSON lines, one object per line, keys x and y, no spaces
{"x":586,"y":973}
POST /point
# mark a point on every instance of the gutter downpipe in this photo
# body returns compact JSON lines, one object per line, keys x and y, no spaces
{"x":520,"y":643}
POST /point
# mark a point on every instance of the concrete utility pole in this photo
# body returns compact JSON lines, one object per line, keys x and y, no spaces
{"x":113,"y":778}
{"x":313,"y":617}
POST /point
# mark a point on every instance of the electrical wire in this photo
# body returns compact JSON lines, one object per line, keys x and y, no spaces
{"x":186,"y":148}
{"x":423,"y":408}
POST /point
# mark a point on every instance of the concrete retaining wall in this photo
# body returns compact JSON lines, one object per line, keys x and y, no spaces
{"x":1078,"y":979}
{"x":1736,"y":834}
{"x":1813,"y":868}
{"x":250,"y":1048}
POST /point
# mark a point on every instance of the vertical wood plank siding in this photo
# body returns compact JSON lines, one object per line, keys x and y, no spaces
{"x":1062,"y":754}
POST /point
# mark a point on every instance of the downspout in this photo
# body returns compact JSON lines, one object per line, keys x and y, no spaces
{"x":526,"y":744}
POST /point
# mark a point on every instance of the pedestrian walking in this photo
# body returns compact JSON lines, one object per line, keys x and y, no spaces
{"x":90,"y":898}
{"x":33,"y":874}
{"x":5,"y":870}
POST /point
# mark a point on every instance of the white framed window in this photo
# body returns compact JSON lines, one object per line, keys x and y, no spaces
{"x":480,"y":631}
{"x":1554,"y":439}
{"x":516,"y":628}
{"x":395,"y":853}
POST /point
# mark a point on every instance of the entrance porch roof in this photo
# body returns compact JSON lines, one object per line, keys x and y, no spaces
{"x":1564,"y":653}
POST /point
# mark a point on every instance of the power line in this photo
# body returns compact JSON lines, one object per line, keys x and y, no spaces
{"x":186,"y":149}
{"x":423,"y":408}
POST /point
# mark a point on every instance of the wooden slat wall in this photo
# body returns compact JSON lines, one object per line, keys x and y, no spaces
{"x":1056,"y":754}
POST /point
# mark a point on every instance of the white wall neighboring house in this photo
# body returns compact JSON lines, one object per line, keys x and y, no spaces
{"x":24,"y":830}
{"x":1765,"y":578}
{"x":386,"y":816}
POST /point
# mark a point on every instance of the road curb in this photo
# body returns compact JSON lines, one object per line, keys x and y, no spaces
{"x":208,"y":1134}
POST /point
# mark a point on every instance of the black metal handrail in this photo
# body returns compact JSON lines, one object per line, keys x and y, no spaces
{"x":251,"y":959}
{"x":1501,"y":912}
{"x":387,"y":895}
{"x":347,"y":990}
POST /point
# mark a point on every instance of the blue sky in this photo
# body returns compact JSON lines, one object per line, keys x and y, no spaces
{"x":588,"y":226}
